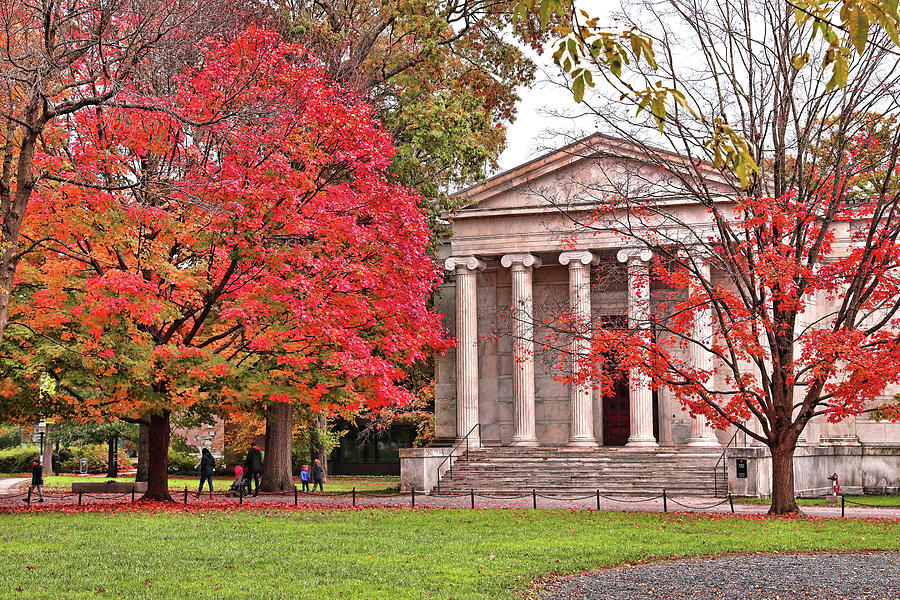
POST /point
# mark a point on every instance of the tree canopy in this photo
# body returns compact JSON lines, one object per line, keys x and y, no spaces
{"x":236,"y":240}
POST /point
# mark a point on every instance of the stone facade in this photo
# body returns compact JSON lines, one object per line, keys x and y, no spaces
{"x":516,"y":259}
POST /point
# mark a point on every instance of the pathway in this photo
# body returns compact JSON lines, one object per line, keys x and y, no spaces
{"x":584,"y":502}
{"x":11,"y":485}
{"x":869,"y":576}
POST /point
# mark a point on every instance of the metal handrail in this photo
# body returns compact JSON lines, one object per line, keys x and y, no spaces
{"x":450,"y":456}
{"x":724,"y":465}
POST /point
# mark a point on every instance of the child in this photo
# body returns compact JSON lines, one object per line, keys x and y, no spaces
{"x":240,"y":481}
{"x":304,"y":477}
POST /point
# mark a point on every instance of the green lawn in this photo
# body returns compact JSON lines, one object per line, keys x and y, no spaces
{"x":394,"y":554}
{"x":336,"y":483}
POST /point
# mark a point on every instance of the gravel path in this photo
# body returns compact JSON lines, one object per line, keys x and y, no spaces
{"x":868,"y":576}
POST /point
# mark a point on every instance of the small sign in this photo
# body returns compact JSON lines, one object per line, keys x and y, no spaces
{"x":741,"y":464}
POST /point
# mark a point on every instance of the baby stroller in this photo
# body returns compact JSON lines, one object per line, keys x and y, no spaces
{"x":240,"y":482}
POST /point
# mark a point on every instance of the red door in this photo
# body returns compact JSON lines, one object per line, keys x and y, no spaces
{"x":616,"y":416}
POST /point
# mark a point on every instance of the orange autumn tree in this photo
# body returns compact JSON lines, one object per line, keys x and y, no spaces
{"x":240,"y":248}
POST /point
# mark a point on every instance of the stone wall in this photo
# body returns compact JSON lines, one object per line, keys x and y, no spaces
{"x":870,"y":468}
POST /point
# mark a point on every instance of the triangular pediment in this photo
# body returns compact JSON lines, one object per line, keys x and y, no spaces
{"x":592,"y":167}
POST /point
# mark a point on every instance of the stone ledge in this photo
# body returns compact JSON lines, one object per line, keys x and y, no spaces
{"x":419,"y":467}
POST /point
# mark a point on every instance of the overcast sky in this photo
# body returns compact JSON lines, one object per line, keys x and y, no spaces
{"x":535,"y":131}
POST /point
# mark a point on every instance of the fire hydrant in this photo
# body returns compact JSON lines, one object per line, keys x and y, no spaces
{"x":835,"y":484}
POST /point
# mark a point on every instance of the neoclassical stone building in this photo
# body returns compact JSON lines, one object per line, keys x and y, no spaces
{"x":518,"y":258}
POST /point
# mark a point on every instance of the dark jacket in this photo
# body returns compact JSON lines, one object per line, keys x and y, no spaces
{"x":207,"y":464}
{"x":253,"y":464}
{"x":318,"y":473}
{"x":37,"y":475}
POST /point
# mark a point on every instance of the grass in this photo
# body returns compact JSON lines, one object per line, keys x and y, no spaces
{"x":397,"y":554}
{"x":335,"y":483}
{"x":888,"y":500}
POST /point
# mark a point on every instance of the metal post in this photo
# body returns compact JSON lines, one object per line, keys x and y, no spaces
{"x":185,"y":495}
{"x":472,"y":497}
{"x":665,"y":503}
{"x":79,"y":497}
{"x":842,"y":505}
{"x":354,"y":497}
{"x":731,"y":501}
{"x":534,"y":498}
{"x":56,"y":462}
{"x":132,"y":493}
{"x":598,"y":499}
{"x":295,"y":495}
{"x":241,"y":494}
{"x":412,"y":497}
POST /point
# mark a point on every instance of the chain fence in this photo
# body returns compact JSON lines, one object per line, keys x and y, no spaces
{"x":369,"y":498}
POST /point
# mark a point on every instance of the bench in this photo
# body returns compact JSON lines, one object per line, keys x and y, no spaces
{"x":109,"y":487}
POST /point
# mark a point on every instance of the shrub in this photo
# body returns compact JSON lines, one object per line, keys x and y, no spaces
{"x":18,"y":460}
{"x":9,"y":437}
{"x":97,"y":456}
{"x":182,"y":463}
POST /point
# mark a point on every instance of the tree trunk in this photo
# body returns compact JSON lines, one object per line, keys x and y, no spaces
{"x":12,"y":209}
{"x":158,"y":458}
{"x":276,"y":473}
{"x":783,"y":501}
{"x":142,"y":452}
{"x":322,"y":450}
{"x":112,"y":460}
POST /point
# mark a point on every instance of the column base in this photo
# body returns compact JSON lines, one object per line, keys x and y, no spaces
{"x":641,"y":442}
{"x":703,"y":442}
{"x":524,"y":442}
{"x":582,"y":443}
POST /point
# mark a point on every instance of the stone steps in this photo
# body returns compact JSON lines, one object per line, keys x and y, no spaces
{"x":516,"y":471}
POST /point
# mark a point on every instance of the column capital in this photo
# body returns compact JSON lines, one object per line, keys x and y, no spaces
{"x":576,"y":257}
{"x":522,"y":259}
{"x":630,"y":255}
{"x":467,"y":262}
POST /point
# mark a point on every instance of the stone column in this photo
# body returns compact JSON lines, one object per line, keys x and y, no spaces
{"x":581,"y":415}
{"x":640,"y":392}
{"x":702,"y":434}
{"x":466,"y":268}
{"x":521,"y":266}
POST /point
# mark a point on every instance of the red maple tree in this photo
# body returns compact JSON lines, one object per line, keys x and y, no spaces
{"x":240,"y":247}
{"x":791,"y":302}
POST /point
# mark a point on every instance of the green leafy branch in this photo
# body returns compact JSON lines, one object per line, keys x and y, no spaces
{"x":848,"y":33}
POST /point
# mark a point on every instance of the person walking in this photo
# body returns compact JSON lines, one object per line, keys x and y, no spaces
{"x":318,"y":475}
{"x":207,"y":470}
{"x":304,"y":477}
{"x":253,"y":465}
{"x":37,"y":481}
